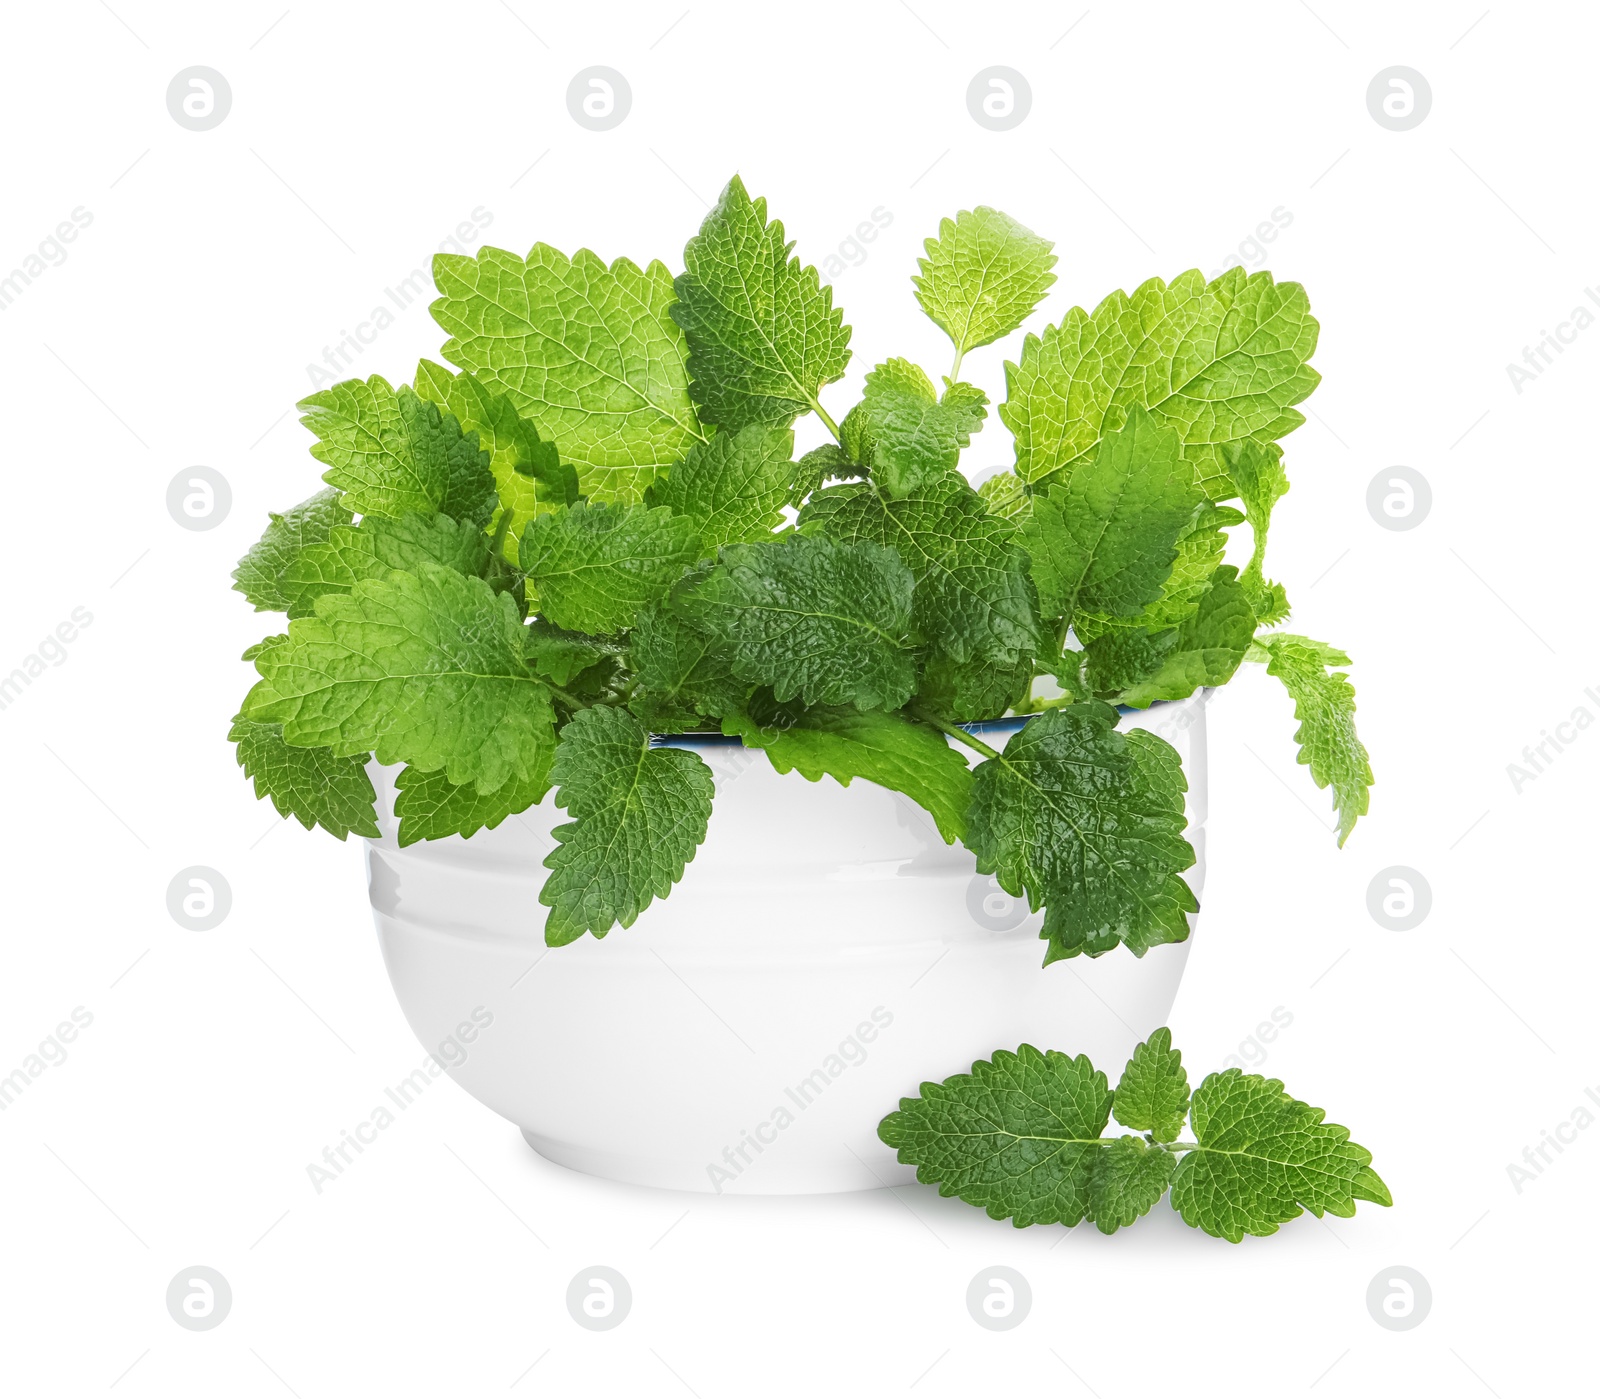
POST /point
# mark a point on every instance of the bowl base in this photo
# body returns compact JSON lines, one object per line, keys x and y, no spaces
{"x":664,"y":1174}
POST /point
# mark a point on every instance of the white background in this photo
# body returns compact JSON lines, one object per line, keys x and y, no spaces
{"x":177,"y":332}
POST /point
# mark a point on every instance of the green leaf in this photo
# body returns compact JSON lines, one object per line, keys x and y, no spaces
{"x":311,"y":784}
{"x":966,"y":398}
{"x":733,"y":487}
{"x":605,"y":682}
{"x":1126,"y":1178}
{"x":983,"y":276}
{"x":640,"y":815}
{"x":892,"y":751}
{"x":588,"y":353}
{"x":961,"y":691}
{"x":393,"y":453}
{"x":376,"y":545}
{"x":1263,"y":1157}
{"x":1325,"y":705}
{"x":1089,"y":823}
{"x":904,"y":433}
{"x":1140,"y":668}
{"x":423,"y":668}
{"x":1022,"y":1136}
{"x":1219,"y":361}
{"x":683,"y":674}
{"x":268,"y":642}
{"x":1368,"y":1185}
{"x":561,"y":655}
{"x":1067,"y":671}
{"x":1201,"y":544}
{"x":596,"y":566}
{"x":764,"y":335}
{"x":1270,"y":604}
{"x":1003,"y":494}
{"x":1200,"y":550}
{"x":259,"y":575}
{"x":1257,"y":473}
{"x":529,"y":476}
{"x":430,"y":806}
{"x":1018,"y":1136}
{"x":812,"y":617}
{"x":972,"y":598}
{"x":1153,"y":1095}
{"x":1107,"y":540}
{"x":829,"y":462}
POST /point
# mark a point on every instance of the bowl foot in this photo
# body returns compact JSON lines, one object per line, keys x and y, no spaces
{"x":713,"y":1178}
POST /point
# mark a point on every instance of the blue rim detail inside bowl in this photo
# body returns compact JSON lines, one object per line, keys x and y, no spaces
{"x":978,"y":728}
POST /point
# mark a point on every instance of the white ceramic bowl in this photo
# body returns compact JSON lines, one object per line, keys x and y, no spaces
{"x":824,"y":954}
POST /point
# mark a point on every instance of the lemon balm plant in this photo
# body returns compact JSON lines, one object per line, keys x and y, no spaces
{"x":595,"y":530}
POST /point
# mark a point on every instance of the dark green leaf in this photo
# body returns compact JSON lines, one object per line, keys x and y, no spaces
{"x":973,"y":598}
{"x":812,"y":617}
{"x":640,"y":815}
{"x":1087,"y":822}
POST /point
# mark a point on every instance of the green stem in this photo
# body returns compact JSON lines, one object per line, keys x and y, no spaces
{"x":959,"y":734}
{"x":955,"y":368}
{"x":501,"y":529}
{"x":827,"y":422}
{"x":1178,"y":1146}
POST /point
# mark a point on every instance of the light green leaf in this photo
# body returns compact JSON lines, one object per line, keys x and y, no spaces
{"x":529,"y":476}
{"x":972,"y":598}
{"x":596,"y":566}
{"x":1258,"y":475}
{"x":892,"y":751}
{"x":376,"y":545}
{"x":1087,"y":822}
{"x":983,"y":276}
{"x":1263,"y":1157}
{"x":764,"y":335}
{"x":1004,"y":495}
{"x":431,"y":806}
{"x":259,"y":575}
{"x":393,"y":453}
{"x":812,"y":617}
{"x":423,"y":668}
{"x":588,"y":353}
{"x":311,"y":784}
{"x":1271,"y":605}
{"x":1017,"y":1137}
{"x":268,"y":642}
{"x":640,"y":815}
{"x":1325,"y":705}
{"x":967,"y":398}
{"x":1140,"y":668}
{"x":1106,"y":541}
{"x":733,"y":487}
{"x":1153,"y":1095}
{"x":1219,"y":361}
